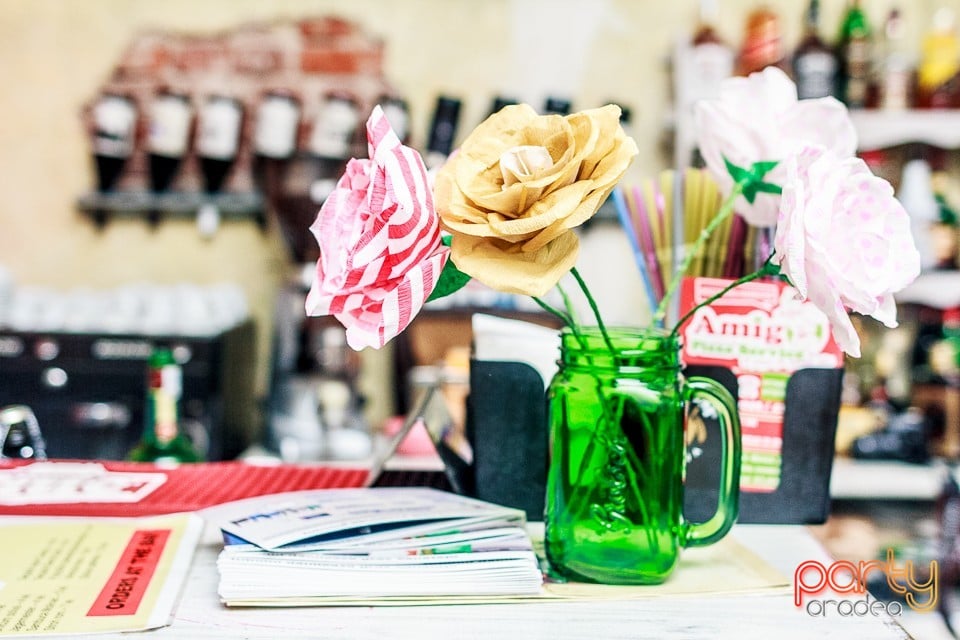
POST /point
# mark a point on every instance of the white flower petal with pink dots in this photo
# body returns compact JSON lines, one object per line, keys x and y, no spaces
{"x":759,"y":118}
{"x":843,"y":240}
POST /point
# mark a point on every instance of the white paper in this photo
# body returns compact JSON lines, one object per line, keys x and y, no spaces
{"x":73,"y":483}
{"x":506,"y":340}
{"x":273,"y":521}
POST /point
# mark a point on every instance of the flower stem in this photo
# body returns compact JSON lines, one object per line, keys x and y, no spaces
{"x":564,"y":318}
{"x":759,"y":273}
{"x":594,"y":308}
{"x":568,"y":304}
{"x":726,"y":209}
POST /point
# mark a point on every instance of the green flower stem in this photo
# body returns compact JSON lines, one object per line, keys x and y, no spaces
{"x":564,"y":318}
{"x":726,"y":209}
{"x":568,"y":304}
{"x":593,"y":306}
{"x":768,"y":269}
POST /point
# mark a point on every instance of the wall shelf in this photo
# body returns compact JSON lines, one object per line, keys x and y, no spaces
{"x":879,"y":129}
{"x":937,"y":289}
{"x":853,"y":479}
{"x":102,"y":206}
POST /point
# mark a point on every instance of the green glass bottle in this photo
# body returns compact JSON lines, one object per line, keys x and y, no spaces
{"x":162,"y":439}
{"x":854,"y":52}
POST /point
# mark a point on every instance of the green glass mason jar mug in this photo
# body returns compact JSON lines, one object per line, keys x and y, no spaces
{"x":614,"y":504}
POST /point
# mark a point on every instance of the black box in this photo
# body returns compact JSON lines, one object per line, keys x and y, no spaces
{"x":88,"y":391}
{"x":508,"y":428}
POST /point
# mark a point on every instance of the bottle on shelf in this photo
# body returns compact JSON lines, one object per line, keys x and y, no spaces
{"x":945,"y":362}
{"x":895,"y":74}
{"x":218,"y":145}
{"x":499,"y":102}
{"x":762,"y":43}
{"x":163,"y":439}
{"x":218,"y":140}
{"x":854,"y":49}
{"x":331,"y":141}
{"x":443,"y":131}
{"x":275,"y":136}
{"x":700,"y":66}
{"x":557,"y":105}
{"x":168,"y":140}
{"x":815,"y":64}
{"x":938,"y":73}
{"x":945,"y":234}
{"x":113,"y":137}
{"x":114,"y":133}
{"x":918,"y":199}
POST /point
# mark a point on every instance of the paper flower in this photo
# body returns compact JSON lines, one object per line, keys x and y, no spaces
{"x":380,"y":249}
{"x":843,"y":240}
{"x":759,"y":119}
{"x":518,"y":186}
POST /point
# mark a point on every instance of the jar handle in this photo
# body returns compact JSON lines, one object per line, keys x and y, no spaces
{"x":728,"y":500}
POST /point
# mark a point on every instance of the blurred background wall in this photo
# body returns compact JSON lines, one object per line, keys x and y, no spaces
{"x":55,"y":53}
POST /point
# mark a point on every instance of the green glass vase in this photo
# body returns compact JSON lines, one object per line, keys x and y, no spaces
{"x":614,"y":504}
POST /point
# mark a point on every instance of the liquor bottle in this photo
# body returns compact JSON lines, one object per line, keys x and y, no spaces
{"x":114,"y":131}
{"x":918,"y":199}
{"x":274,"y":139}
{"x":938,"y":80}
{"x":945,"y":362}
{"x":331,"y":140}
{"x":854,"y":52}
{"x":815,"y":64}
{"x":218,"y":141}
{"x":499,"y":102}
{"x":162,"y":439}
{"x":701,"y":66}
{"x":168,"y":139}
{"x":443,"y":131}
{"x":762,"y":43}
{"x":895,"y":78}
{"x":559,"y":106}
{"x":218,"y":145}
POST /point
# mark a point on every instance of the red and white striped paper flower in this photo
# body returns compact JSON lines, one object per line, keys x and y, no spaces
{"x":379,"y":237}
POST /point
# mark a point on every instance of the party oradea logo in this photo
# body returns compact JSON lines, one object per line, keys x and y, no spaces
{"x":841,"y":588}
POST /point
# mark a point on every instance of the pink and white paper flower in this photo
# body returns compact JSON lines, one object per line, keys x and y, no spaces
{"x":379,"y":236}
{"x":760,"y":119}
{"x":843,"y":240}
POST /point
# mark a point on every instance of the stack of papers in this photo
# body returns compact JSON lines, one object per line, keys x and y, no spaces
{"x":341,"y":546}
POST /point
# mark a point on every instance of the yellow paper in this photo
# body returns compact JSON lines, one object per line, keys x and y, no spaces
{"x":92,"y":575}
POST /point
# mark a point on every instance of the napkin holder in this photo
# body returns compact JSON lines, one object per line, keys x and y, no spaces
{"x":812,"y":405}
{"x":507,"y":429}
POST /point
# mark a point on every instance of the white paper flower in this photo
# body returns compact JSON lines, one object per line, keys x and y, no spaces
{"x":759,"y":119}
{"x":843,"y":240}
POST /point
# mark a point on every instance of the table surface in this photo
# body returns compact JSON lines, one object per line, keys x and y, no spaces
{"x":200,"y":615}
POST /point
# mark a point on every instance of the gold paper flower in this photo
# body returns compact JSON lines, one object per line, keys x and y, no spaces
{"x":519,"y":185}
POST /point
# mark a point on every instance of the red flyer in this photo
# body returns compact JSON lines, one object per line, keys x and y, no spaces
{"x":762,"y":332}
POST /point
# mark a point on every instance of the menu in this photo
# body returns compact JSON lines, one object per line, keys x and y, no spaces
{"x":72,"y":575}
{"x":762,"y":333}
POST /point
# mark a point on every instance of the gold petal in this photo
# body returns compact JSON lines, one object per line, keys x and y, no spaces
{"x":547,"y":211}
{"x":505,"y":267}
